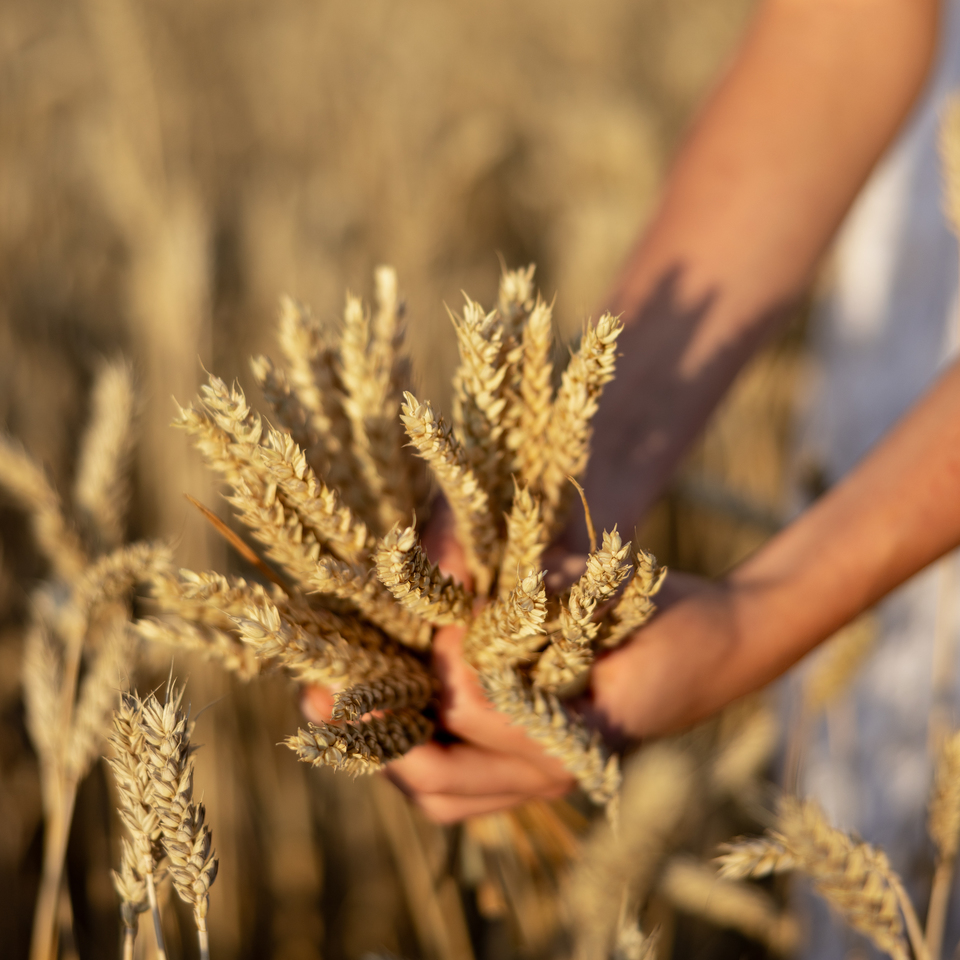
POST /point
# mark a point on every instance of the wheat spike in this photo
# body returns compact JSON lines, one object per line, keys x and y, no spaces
{"x":636,"y":605}
{"x":545,"y":720}
{"x":469,"y":502}
{"x":27,"y":483}
{"x":186,"y":838}
{"x":696,"y":889}
{"x":361,"y":587}
{"x":525,"y":541}
{"x":290,"y":411}
{"x":369,"y":371}
{"x":101,"y":489}
{"x":570,"y":653}
{"x":413,"y":691}
{"x":481,"y":394}
{"x":312,"y":365}
{"x":403,"y":568}
{"x":515,"y":297}
{"x":41,"y":676}
{"x":365,"y":746}
{"x":528,"y":436}
{"x":854,"y":878}
{"x":327,"y":649}
{"x":741,"y":758}
{"x":509,"y":630}
{"x":569,"y":431}
{"x":210,"y":642}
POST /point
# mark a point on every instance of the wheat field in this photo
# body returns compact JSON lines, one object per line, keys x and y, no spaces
{"x":167,"y":172}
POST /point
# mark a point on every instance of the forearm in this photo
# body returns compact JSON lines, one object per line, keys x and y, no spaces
{"x":896,"y":513}
{"x":815,"y":94}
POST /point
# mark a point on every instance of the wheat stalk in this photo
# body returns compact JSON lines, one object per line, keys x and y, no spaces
{"x":853,"y":877}
{"x":944,"y":827}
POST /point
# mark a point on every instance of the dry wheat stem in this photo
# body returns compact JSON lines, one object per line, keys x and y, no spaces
{"x":619,"y":867}
{"x":694,"y":888}
{"x":944,"y":827}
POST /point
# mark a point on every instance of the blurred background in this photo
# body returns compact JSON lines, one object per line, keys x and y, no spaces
{"x":167,"y":170}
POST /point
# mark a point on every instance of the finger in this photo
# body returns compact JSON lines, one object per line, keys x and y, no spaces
{"x":316,"y":703}
{"x":449,"y":808}
{"x":467,"y":770}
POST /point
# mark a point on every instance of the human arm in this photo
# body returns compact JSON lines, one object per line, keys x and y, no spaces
{"x":816,"y":92}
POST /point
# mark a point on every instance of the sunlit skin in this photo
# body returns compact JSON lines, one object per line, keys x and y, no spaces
{"x":815,"y":94}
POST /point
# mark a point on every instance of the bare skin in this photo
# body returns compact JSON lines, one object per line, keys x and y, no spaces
{"x":817,"y":91}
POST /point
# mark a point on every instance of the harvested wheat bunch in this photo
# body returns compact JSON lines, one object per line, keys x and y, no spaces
{"x":328,"y":494}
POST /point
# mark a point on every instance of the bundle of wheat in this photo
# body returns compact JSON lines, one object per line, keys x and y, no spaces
{"x":329,"y":497}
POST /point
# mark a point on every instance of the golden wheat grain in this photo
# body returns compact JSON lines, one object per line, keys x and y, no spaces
{"x":27,"y":483}
{"x":418,"y":584}
{"x":635,"y":606}
{"x":364,"y":746}
{"x":525,"y":541}
{"x":368,"y":371}
{"x":476,"y":529}
{"x":509,"y":630}
{"x":101,"y":489}
{"x":372,"y":599}
{"x":854,"y":878}
{"x":569,"y":431}
{"x":389,"y":692}
{"x":528,"y":437}
{"x":570,"y":652}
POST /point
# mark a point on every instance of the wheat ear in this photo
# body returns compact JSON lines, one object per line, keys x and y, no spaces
{"x":369,"y":373}
{"x":389,"y":692}
{"x":509,"y":630}
{"x":364,"y":746}
{"x":360,"y":587}
{"x":481,"y":394}
{"x":403,"y":568}
{"x":854,"y":878}
{"x":476,"y":529}
{"x":635,"y":606}
{"x":312,"y":372}
{"x":944,"y":826}
{"x":140,"y":869}
{"x":570,"y":653}
{"x":528,"y":438}
{"x":950,"y":160}
{"x":101,"y":489}
{"x":525,"y":542}
{"x":544,"y":719}
{"x":27,"y":483}
{"x":186,"y":838}
{"x":569,"y":431}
